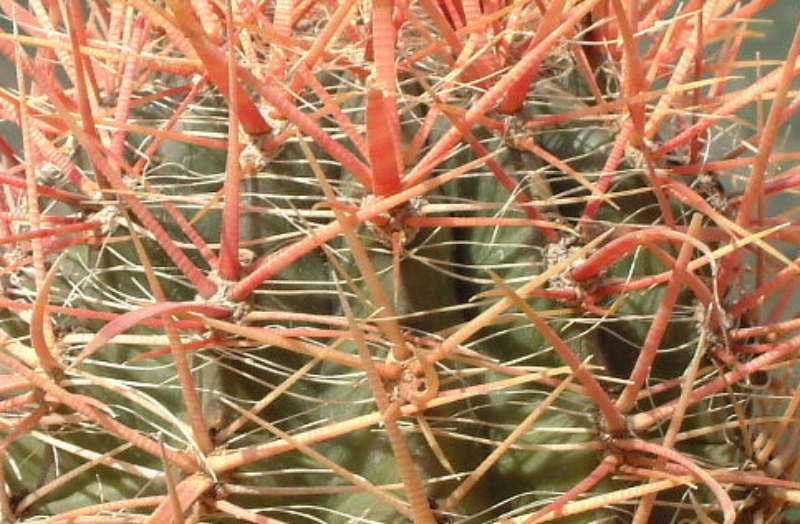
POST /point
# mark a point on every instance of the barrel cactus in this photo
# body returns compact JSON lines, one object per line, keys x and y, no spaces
{"x":381,"y":262}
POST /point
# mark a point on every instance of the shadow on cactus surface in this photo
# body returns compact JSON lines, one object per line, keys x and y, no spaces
{"x":439,"y":261}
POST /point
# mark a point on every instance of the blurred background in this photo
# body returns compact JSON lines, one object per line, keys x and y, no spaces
{"x":781,"y":21}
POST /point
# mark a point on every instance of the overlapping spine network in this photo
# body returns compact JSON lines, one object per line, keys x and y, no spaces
{"x":396,"y":261}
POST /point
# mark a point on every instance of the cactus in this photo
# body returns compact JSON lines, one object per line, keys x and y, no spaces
{"x":382,"y":262}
